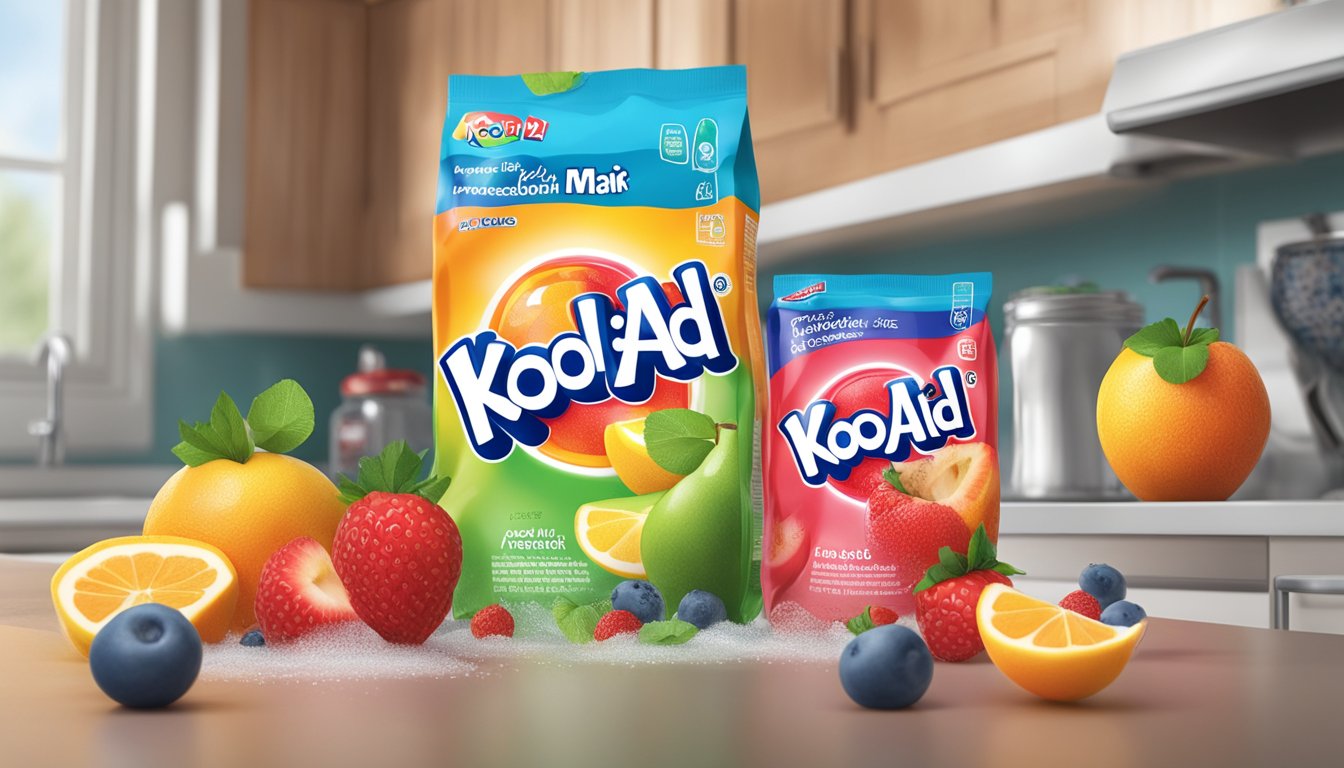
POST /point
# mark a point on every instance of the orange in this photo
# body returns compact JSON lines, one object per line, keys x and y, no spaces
{"x":1195,"y":441}
{"x":106,"y":578}
{"x":1051,"y":651}
{"x":248,"y":511}
{"x":624,"y":442}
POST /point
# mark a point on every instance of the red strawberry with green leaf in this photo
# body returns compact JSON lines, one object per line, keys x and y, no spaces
{"x":908,"y":531}
{"x":946,"y":597}
{"x":397,"y":552}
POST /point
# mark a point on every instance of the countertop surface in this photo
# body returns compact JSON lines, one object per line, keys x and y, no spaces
{"x":1194,"y":694}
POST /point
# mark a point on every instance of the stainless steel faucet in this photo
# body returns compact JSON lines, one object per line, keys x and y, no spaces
{"x":54,"y":353}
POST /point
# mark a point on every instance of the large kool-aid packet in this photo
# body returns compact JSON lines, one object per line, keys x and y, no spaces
{"x":880,"y":444}
{"x":595,"y":326}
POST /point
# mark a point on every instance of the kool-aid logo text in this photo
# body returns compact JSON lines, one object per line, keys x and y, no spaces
{"x":824,"y":446}
{"x":495,"y":129}
{"x":619,"y":350}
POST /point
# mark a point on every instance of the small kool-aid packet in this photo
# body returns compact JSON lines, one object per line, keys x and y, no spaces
{"x":596,"y":335}
{"x":879,"y":447}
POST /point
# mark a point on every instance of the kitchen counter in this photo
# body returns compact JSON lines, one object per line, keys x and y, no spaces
{"x":1194,"y":694}
{"x":1185,"y":518}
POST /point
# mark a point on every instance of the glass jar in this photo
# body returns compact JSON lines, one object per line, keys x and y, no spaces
{"x":379,"y":405}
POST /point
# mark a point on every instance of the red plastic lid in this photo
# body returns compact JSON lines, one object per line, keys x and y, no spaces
{"x":383,"y":381}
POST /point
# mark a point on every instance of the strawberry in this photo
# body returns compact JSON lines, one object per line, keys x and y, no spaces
{"x":492,"y":620}
{"x":872,"y":616}
{"x":946,"y":597}
{"x":299,"y":592}
{"x":397,"y":552}
{"x":616,"y":623}
{"x":908,"y":531}
{"x":1081,"y":602}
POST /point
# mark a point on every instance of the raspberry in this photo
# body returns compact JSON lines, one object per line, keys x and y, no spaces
{"x":881,"y":615}
{"x":1080,"y":602}
{"x":492,"y":620}
{"x":616,"y":623}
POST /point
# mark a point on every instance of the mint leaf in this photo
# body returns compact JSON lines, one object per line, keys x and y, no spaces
{"x":547,"y":83}
{"x":952,"y":561}
{"x":281,"y":417}
{"x":1203,"y":336}
{"x":1177,"y":365}
{"x":861,"y":623}
{"x":195,"y":449}
{"x":679,"y":439}
{"x":670,"y":632}
{"x":1152,"y":338}
{"x":894,"y":478}
{"x":577,"y":622}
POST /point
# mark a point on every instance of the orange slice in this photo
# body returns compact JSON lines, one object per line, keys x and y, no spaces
{"x":1052,"y":652}
{"x":108,"y":577}
{"x":609,"y":533}
{"x":624,"y":441}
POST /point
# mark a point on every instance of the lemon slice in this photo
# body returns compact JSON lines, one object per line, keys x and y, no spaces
{"x":1048,"y":650}
{"x":624,"y":443}
{"x":609,"y":533}
{"x":106,"y":578}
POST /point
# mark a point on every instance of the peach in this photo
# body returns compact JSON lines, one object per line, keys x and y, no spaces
{"x":964,"y":476}
{"x":786,"y":553}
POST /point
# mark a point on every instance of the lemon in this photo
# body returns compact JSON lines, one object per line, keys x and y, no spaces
{"x":106,"y":578}
{"x":248,"y":511}
{"x":1048,"y":650}
{"x":624,"y":441}
{"x":609,"y":532}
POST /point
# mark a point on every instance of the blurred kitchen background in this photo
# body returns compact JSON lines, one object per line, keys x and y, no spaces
{"x":206,"y":195}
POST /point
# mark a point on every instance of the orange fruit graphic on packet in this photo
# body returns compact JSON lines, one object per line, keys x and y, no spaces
{"x":536,"y":308}
{"x":108,"y":577}
{"x":1182,"y":416}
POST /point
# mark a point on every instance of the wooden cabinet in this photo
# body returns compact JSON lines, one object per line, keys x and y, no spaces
{"x":346,"y":97}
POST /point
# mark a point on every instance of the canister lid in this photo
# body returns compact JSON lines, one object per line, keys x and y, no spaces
{"x":1054,"y":304}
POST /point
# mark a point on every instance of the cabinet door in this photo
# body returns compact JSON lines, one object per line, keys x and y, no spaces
{"x":589,"y":35}
{"x":306,"y":144}
{"x":799,"y":72}
{"x":1310,"y":556}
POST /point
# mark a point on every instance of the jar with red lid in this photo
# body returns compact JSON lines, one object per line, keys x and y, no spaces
{"x":379,"y":405}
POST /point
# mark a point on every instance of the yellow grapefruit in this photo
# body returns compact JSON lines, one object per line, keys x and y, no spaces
{"x":248,"y":511}
{"x":106,"y":578}
{"x":610,"y":531}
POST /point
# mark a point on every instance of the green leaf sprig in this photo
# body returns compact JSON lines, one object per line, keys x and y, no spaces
{"x":578,"y":621}
{"x":279,"y":420}
{"x":1177,"y":357}
{"x":670,"y":632}
{"x":679,"y":439}
{"x":395,"y":470}
{"x":894,"y":479}
{"x":980,"y":556}
{"x":861,"y":623}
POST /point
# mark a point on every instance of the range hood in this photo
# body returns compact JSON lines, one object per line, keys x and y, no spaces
{"x":1271,"y":85}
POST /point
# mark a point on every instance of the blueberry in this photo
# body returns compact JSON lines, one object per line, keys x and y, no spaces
{"x":701,"y":608}
{"x":146,"y":656}
{"x":640,"y":598}
{"x":1103,"y":582}
{"x":253,"y":638}
{"x":1123,"y":613}
{"x":887,"y":667}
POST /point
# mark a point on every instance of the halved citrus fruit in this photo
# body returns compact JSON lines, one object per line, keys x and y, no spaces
{"x":609,"y":533}
{"x":624,"y":441}
{"x":1048,"y":650}
{"x":106,"y":578}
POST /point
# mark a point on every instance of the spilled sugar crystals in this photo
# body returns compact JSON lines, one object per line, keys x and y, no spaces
{"x":355,"y":652}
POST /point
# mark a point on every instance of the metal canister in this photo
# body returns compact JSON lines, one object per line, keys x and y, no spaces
{"x":1060,"y":343}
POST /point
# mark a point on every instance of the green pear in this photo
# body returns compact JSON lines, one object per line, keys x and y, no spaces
{"x":695,"y":538}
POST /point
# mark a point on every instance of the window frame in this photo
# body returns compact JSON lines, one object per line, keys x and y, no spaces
{"x":100,"y":289}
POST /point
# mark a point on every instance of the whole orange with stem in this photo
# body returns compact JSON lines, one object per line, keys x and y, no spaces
{"x":1182,"y":416}
{"x":248,"y":504}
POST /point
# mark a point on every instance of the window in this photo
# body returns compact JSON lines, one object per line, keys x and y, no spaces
{"x":34,"y":163}
{"x":72,"y":227}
